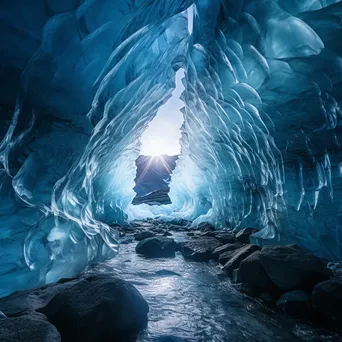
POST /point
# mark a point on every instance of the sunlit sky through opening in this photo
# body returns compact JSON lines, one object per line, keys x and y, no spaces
{"x":163,"y":133}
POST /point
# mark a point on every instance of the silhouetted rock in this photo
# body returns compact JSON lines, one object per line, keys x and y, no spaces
{"x":253,"y":275}
{"x":294,"y":303}
{"x":237,"y":256}
{"x":199,"y":249}
{"x":26,"y":329}
{"x":291,"y":268}
{"x":225,"y":237}
{"x":98,"y":308}
{"x":143,"y":235}
{"x":157,"y":247}
{"x":244,"y":234}
{"x":228,"y":247}
{"x":208,"y":233}
{"x":206,"y":227}
{"x":327,"y":298}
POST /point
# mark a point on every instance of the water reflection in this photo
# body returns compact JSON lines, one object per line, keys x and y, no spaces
{"x":195,"y":301}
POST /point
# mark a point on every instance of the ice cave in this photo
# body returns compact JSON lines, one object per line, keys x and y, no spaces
{"x":247,"y":94}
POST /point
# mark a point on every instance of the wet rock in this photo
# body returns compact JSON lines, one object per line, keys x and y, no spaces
{"x":208,"y":233}
{"x":226,"y":237}
{"x":294,"y":303}
{"x":336,"y":268}
{"x":252,"y":273}
{"x":98,"y":308}
{"x":327,"y":298}
{"x":144,"y":235}
{"x":237,"y":256}
{"x":157,"y":247}
{"x":291,"y":268}
{"x":200,"y":249}
{"x":180,"y":222}
{"x":244,"y":234}
{"x":206,"y":227}
{"x":26,"y":329}
{"x":228,"y":247}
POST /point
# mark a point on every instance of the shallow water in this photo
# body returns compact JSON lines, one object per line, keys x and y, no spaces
{"x":196,"y":302}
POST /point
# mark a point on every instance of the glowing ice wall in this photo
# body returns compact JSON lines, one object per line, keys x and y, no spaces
{"x":261,"y":141}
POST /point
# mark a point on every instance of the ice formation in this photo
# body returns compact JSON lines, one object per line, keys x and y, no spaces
{"x":261,"y":140}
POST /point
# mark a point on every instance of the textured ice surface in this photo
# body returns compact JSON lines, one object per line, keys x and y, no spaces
{"x":261,"y":141}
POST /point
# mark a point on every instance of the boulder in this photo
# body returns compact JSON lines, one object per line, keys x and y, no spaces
{"x":237,"y":256}
{"x":294,"y":303}
{"x":97,"y":308}
{"x":228,"y":247}
{"x":244,"y":234}
{"x":327,"y":298}
{"x":208,"y":233}
{"x":253,"y":275}
{"x":200,"y":249}
{"x":206,"y":227}
{"x":225,"y":237}
{"x":26,"y":329}
{"x":144,"y":235}
{"x":157,"y":247}
{"x":291,"y":268}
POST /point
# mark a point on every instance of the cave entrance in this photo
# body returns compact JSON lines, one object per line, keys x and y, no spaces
{"x":160,"y":148}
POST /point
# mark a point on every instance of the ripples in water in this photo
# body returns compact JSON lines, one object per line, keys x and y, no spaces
{"x":196,"y":302}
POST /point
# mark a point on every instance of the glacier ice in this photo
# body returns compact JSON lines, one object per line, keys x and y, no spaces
{"x":261,"y":139}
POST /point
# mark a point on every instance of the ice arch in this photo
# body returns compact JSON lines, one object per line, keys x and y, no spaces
{"x":261,"y":141}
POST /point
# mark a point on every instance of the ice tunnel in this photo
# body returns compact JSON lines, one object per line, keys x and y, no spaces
{"x":81,"y":81}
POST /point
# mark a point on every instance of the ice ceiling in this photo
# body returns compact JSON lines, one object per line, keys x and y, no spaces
{"x":261,"y":139}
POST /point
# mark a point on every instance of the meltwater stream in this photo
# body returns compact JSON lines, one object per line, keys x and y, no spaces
{"x":197,"y":302}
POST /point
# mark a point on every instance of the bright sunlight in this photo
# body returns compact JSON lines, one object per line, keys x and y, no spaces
{"x":163,"y":133}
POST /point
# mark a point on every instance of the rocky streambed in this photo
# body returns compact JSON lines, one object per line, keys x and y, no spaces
{"x":170,"y":283}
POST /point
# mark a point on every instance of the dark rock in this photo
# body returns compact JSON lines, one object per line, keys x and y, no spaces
{"x":267,"y":297}
{"x":180,"y":222}
{"x":157,"y":247}
{"x":98,"y":308}
{"x":252,"y":272}
{"x":336,"y":268}
{"x":225,"y":237}
{"x":294,"y":303}
{"x":327,"y":298}
{"x":208,"y":233}
{"x":26,"y":329}
{"x":206,"y":227}
{"x":237,"y":256}
{"x":228,"y":247}
{"x":244,"y":234}
{"x":166,"y":233}
{"x":144,"y":235}
{"x":291,"y":268}
{"x":199,"y":249}
{"x":2,"y":315}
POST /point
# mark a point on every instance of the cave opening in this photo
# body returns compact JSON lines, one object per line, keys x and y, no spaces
{"x":160,"y":150}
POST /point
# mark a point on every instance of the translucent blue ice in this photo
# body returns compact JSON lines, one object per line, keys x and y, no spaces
{"x":261,"y":141}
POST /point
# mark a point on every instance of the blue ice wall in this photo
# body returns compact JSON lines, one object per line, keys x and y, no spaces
{"x":261,"y":141}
